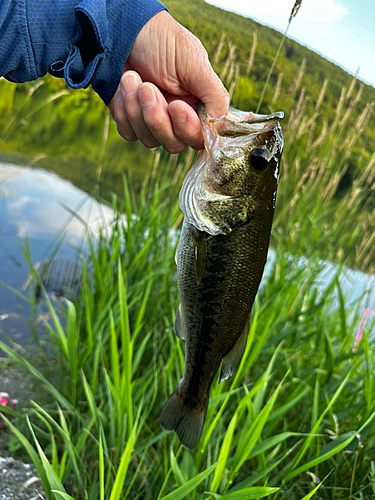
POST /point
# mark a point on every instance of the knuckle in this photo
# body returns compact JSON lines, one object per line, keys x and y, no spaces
{"x":175,"y":148}
{"x":149,"y":143}
{"x":132,"y":113}
{"x":126,"y":134}
{"x":154,"y":124}
{"x":195,"y":43}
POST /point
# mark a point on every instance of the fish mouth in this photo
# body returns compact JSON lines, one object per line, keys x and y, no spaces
{"x":255,"y":118}
{"x":237,"y":123}
{"x":250,"y":117}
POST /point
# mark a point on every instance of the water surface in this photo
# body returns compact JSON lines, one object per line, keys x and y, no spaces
{"x":35,"y":207}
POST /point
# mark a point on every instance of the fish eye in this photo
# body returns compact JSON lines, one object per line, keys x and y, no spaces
{"x":258,"y":161}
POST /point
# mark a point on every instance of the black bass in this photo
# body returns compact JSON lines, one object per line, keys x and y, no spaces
{"x":228,"y":198}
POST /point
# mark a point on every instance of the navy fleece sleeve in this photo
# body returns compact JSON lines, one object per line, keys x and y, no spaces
{"x":86,"y":42}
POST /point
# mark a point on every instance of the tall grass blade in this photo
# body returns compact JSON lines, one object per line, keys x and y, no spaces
{"x":33,"y":455}
{"x":126,"y":347}
{"x":253,"y":433}
{"x":223,"y":455}
{"x":312,"y":492}
{"x":249,"y":493}
{"x":64,"y":496}
{"x":52,"y":477}
{"x":117,"y":489}
{"x":317,"y":425}
{"x":190,"y":485}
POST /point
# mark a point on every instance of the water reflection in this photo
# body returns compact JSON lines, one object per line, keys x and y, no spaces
{"x":39,"y":205}
{"x":358,"y":288}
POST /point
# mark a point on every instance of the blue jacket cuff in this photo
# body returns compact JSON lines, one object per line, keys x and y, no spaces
{"x":86,"y":42}
{"x":106,"y":33}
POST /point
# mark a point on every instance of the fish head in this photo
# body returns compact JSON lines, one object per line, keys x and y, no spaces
{"x":244,"y":152}
{"x":238,"y":172}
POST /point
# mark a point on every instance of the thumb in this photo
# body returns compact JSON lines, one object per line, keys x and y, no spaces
{"x":202,"y":81}
{"x":212,"y":93}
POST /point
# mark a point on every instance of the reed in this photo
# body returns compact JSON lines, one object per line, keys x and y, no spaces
{"x":234,"y":81}
{"x":292,"y":128}
{"x":295,"y":85}
{"x":351,"y":106}
{"x":220,"y":46}
{"x":352,"y":84}
{"x":338,"y":110}
{"x":320,"y":140}
{"x":229,"y":61}
{"x":277,"y":88}
{"x":294,"y":12}
{"x":321,"y":94}
{"x":230,"y":74}
{"x":252,"y":53}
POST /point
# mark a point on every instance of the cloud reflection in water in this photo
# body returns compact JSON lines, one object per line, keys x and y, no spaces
{"x":39,"y":205}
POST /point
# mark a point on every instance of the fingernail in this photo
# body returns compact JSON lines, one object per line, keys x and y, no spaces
{"x":146,"y":95}
{"x":130,"y":85}
{"x":178,"y":113}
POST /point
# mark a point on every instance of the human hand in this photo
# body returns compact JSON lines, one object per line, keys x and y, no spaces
{"x":165,"y":76}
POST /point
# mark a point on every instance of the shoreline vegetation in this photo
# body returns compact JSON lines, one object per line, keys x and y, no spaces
{"x":297,"y":421}
{"x":300,"y":409}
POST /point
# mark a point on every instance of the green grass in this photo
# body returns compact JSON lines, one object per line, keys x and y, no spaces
{"x":301,"y":402}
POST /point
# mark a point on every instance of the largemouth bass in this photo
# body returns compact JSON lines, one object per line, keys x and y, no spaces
{"x":228,"y":198}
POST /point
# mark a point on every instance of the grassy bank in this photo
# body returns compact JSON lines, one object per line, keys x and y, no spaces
{"x":300,"y":410}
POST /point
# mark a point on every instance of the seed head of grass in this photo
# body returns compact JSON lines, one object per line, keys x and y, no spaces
{"x":296,"y":7}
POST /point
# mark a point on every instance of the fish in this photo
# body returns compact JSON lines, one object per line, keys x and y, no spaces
{"x":228,"y":199}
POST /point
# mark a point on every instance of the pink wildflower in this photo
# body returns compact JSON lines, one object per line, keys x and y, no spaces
{"x":358,"y":338}
{"x":5,"y":401}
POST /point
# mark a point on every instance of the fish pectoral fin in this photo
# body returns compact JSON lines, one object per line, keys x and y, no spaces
{"x":199,"y":244}
{"x":232,"y":360}
{"x":177,"y":325}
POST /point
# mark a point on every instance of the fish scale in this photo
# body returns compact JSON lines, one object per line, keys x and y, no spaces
{"x":228,"y":201}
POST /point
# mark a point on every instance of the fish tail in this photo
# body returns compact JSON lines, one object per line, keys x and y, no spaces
{"x":187,"y":421}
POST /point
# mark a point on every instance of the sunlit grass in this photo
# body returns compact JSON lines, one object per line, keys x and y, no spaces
{"x":300,"y":406}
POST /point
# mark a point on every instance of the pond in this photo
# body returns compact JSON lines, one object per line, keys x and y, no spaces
{"x":39,"y":205}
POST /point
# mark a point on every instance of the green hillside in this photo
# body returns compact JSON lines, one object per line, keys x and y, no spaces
{"x":208,"y":23}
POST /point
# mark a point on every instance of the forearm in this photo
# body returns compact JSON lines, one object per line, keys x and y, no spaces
{"x":86,"y":42}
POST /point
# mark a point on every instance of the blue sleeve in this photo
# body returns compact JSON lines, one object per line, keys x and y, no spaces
{"x":86,"y":42}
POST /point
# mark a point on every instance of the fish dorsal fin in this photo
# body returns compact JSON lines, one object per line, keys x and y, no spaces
{"x":199,"y":244}
{"x":232,"y":360}
{"x":177,"y":325}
